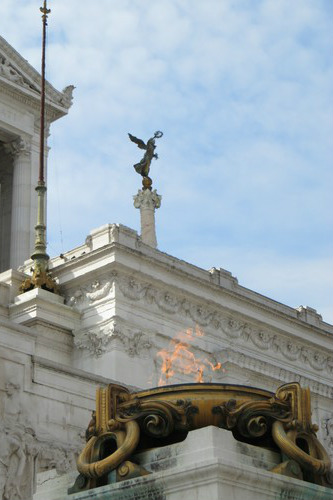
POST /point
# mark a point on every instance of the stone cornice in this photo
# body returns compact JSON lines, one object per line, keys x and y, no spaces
{"x":117,"y":243}
{"x":275,"y":371}
{"x":27,"y":81}
{"x":218,"y":323}
{"x":201,"y":278}
{"x":32,"y":100}
{"x":70,"y":371}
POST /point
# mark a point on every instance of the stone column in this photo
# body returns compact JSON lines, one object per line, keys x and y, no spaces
{"x":21,"y":194}
{"x":147,"y":201}
{"x":6,"y":180}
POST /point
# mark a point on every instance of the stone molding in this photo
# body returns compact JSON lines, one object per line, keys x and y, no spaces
{"x":273,"y":371}
{"x":31,"y":78}
{"x":233,"y":329}
{"x":215,"y":282}
{"x":32,"y":100}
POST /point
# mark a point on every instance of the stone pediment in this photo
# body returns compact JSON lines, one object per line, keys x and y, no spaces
{"x":19,"y":77}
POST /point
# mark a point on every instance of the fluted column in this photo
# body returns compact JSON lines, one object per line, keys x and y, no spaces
{"x":147,"y":201}
{"x":6,"y":180}
{"x":21,"y":198}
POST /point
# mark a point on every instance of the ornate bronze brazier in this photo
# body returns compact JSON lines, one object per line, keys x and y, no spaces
{"x":125,"y":423}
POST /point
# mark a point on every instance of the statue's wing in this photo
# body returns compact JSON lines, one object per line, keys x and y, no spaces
{"x":137,"y":141}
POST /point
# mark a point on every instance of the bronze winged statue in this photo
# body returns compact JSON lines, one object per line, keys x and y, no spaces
{"x":143,"y":166}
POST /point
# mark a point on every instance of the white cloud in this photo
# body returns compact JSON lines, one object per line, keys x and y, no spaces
{"x":242,"y":91}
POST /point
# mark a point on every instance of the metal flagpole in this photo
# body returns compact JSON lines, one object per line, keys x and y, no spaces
{"x":41,"y":277}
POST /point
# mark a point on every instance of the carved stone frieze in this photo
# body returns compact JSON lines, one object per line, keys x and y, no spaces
{"x":327,"y":427}
{"x":289,"y":350}
{"x":102,"y":338}
{"x":95,"y":340}
{"x":10,"y":73}
{"x":134,"y":290}
{"x":207,"y":317}
{"x":22,"y":452}
{"x":88,"y":295}
{"x":17,"y":455}
{"x":316,"y":359}
{"x":52,"y":455}
{"x":232,"y":328}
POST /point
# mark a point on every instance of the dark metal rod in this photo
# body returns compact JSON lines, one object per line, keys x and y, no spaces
{"x":45,"y":11}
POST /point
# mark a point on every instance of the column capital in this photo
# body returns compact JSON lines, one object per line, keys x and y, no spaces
{"x":18,"y":147}
{"x":147,"y":199}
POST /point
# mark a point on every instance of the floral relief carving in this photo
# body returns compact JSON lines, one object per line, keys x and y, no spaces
{"x":166,"y":301}
{"x":85,"y":296}
{"x":262,"y":339}
{"x":287,"y":348}
{"x":98,"y":291}
{"x":316,"y":359}
{"x":99,"y":340}
{"x":95,"y":340}
{"x":231,"y":327}
{"x":329,"y":364}
{"x":131,"y":288}
{"x":203,"y":316}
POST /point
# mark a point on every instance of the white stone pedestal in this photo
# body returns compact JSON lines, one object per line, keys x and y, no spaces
{"x":148,"y":201}
{"x":209,"y":465}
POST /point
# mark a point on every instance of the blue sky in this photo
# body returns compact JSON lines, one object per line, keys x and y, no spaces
{"x":242,"y":90}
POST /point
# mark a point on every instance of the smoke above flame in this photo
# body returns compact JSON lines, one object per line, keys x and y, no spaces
{"x":180,"y":359}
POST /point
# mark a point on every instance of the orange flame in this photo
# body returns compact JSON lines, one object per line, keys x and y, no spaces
{"x":179,"y":358}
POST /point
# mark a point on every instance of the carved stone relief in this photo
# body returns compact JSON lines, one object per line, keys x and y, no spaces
{"x":17,"y":453}
{"x":89,"y":295}
{"x":22,"y":452}
{"x":101,"y":339}
{"x":327,"y":426}
{"x":67,"y":95}
{"x":204,"y":316}
{"x":230,"y":327}
{"x":21,"y":146}
{"x":8,"y":71}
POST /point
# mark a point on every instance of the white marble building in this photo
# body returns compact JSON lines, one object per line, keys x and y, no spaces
{"x":19,"y":151}
{"x":122,"y":303}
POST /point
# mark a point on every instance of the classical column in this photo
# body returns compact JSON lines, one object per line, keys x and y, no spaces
{"x":21,"y":198}
{"x":6,"y":180}
{"x":147,"y":201}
